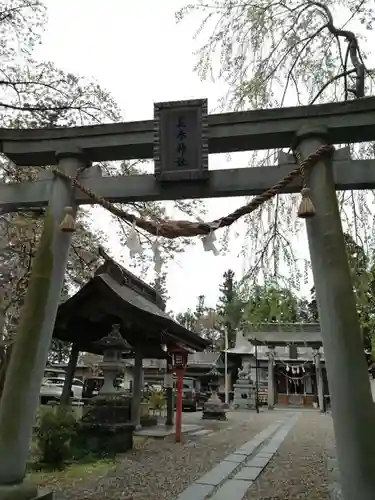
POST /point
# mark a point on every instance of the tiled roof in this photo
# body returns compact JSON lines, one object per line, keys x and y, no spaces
{"x":299,"y":333}
{"x":110,"y":287}
{"x":196,"y":359}
{"x":203,"y":358}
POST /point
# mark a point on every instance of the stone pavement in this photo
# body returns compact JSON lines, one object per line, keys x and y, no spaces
{"x":236,"y":473}
{"x":278,"y":455}
{"x":298,"y":470}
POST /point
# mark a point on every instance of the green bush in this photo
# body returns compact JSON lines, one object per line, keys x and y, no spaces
{"x":56,"y":429}
{"x":157,"y":400}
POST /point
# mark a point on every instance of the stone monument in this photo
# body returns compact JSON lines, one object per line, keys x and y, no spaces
{"x":214,"y":408}
{"x":244,"y":389}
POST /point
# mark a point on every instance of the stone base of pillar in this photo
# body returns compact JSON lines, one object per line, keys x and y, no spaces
{"x":24,"y":491}
{"x":271,"y":407}
{"x":106,"y":426}
{"x":244,"y":395}
{"x":105,"y":439}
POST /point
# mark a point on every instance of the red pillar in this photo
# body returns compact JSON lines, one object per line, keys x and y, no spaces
{"x":180,"y":377}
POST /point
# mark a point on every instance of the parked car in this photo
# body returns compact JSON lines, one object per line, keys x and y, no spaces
{"x":92,"y":387}
{"x":77,"y":388}
{"x":52,"y":388}
{"x":192,"y":397}
{"x":51,"y":372}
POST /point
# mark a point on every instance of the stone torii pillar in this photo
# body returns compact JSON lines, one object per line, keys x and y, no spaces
{"x":353,"y":409}
{"x":319,"y":378}
{"x":22,"y":386}
{"x":271,"y":378}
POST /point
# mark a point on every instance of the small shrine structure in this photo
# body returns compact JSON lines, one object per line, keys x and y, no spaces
{"x":198,"y":366}
{"x":117,"y":300}
{"x":286,"y":362}
{"x":214,"y":408}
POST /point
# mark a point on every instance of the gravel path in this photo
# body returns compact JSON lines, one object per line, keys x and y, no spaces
{"x":161,"y":469}
{"x":298,"y":470}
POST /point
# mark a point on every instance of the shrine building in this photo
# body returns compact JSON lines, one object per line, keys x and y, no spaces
{"x":290,"y":362}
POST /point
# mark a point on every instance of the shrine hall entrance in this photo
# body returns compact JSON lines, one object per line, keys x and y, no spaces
{"x":298,"y":389}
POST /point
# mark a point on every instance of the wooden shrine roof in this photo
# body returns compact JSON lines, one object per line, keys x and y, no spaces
{"x":303,"y":334}
{"x":116,"y":296}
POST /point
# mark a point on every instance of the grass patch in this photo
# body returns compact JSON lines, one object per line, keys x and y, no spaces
{"x":72,"y":474}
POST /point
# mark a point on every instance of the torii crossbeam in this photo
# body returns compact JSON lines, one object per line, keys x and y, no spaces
{"x":347,"y":122}
{"x":227,"y":132}
{"x":348,"y":175}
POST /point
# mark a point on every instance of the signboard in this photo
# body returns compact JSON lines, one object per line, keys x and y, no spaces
{"x":180,"y":141}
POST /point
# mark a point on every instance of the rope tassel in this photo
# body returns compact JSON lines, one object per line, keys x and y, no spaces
{"x":306,"y":208}
{"x":68,"y":225}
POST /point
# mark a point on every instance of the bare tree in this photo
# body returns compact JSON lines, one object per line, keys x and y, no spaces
{"x":38,"y":94}
{"x":275,"y":54}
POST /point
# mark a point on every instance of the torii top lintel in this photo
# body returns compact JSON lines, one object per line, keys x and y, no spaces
{"x":347,"y":122}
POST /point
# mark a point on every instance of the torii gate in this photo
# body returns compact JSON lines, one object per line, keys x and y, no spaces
{"x":179,"y":139}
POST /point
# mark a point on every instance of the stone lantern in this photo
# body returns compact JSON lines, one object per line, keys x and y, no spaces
{"x":214,"y":408}
{"x":113,"y":346}
{"x":106,"y":426}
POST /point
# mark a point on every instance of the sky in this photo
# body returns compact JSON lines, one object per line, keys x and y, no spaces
{"x":136,"y":50}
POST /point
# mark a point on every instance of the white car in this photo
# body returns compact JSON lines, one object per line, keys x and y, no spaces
{"x":51,"y":389}
{"x":77,"y":389}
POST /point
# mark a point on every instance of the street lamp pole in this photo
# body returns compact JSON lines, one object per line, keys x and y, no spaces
{"x":226,"y":364}
{"x":256,"y":377}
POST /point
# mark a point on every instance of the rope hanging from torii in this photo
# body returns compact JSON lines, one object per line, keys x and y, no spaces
{"x":180,"y":228}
